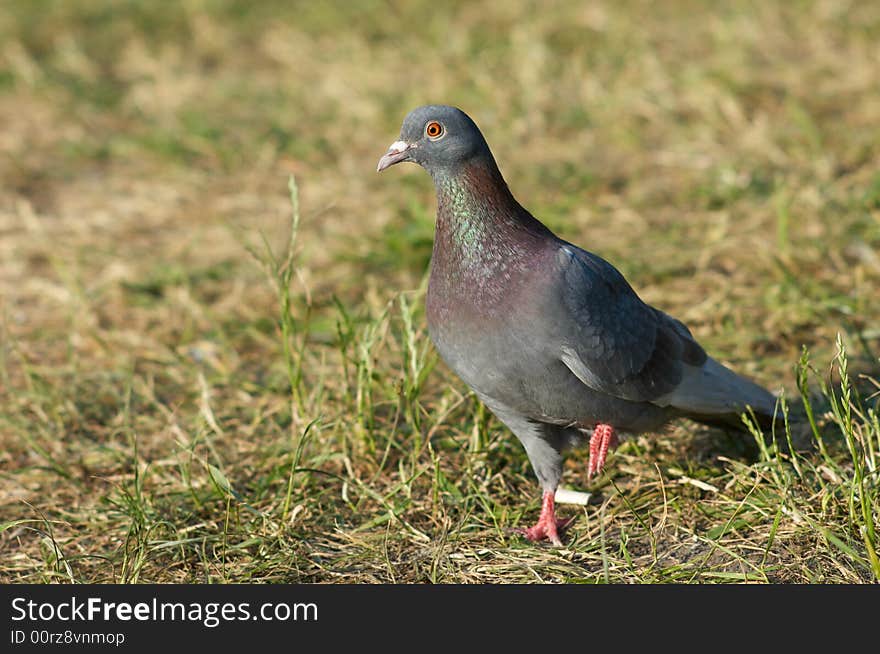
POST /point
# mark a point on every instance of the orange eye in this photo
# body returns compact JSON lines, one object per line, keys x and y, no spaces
{"x":434,"y":130}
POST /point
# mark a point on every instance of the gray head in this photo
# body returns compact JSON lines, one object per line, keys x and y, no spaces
{"x":438,"y":138}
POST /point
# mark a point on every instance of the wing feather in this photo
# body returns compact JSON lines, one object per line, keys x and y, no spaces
{"x":614,"y":342}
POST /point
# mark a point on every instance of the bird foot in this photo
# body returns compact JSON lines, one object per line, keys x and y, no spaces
{"x":548,"y":526}
{"x":602,"y":439}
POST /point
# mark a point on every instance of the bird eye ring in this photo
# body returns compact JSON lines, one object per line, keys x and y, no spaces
{"x":434,"y":130}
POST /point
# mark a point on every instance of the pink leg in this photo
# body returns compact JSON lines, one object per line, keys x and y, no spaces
{"x":548,"y":526}
{"x":603,"y":437}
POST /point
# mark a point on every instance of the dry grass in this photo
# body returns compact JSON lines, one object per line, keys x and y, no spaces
{"x":163,"y":419}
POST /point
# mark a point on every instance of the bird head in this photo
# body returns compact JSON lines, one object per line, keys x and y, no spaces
{"x":437,"y":137}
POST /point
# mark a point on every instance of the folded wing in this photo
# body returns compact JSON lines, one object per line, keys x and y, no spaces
{"x":616,"y":344}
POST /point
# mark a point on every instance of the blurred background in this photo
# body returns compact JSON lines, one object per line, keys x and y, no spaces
{"x":164,"y":416}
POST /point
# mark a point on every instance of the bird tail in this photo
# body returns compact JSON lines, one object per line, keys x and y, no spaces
{"x":764,"y":421}
{"x":715,"y":395}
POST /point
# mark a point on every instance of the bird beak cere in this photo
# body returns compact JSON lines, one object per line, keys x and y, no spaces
{"x":399,"y":151}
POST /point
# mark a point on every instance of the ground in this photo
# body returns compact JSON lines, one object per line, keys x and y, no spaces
{"x":192,"y":393}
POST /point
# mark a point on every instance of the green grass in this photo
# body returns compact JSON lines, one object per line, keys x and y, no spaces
{"x":209,"y":373}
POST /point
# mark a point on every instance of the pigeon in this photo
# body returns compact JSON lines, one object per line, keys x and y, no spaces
{"x":550,"y":337}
